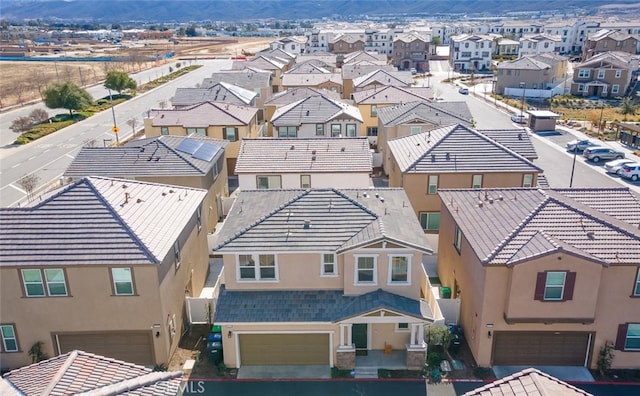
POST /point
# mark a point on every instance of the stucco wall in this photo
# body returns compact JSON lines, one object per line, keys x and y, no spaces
{"x":248,"y":181}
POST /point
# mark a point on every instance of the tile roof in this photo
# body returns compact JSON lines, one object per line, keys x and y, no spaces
{"x":311,"y":66}
{"x":138,"y":158}
{"x":277,"y":53}
{"x":246,"y":78}
{"x":273,"y":220}
{"x":538,"y":37}
{"x":517,"y":140}
{"x":83,"y":373}
{"x":528,"y":382}
{"x":94,"y":221}
{"x":309,"y":79}
{"x":325,"y":57}
{"x":221,"y":92}
{"x":611,"y":59}
{"x":517,"y":224}
{"x":383,"y":77}
{"x":456,"y":148}
{"x":311,"y":155}
{"x":436,"y":113}
{"x":261,"y":62}
{"x":357,"y":69}
{"x":613,"y":34}
{"x":359,"y":56}
{"x":204,"y":114}
{"x":392,"y":94}
{"x":310,"y":306}
{"x":524,"y":63}
{"x":410,"y":37}
{"x":295,"y":94}
{"x":314,"y":110}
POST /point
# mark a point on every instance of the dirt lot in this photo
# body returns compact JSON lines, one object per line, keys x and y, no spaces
{"x":22,"y":81}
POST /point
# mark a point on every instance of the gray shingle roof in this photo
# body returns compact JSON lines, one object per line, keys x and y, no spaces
{"x":247,"y":79}
{"x":221,"y":92}
{"x":528,"y":382}
{"x":517,"y":140}
{"x":314,"y":110}
{"x":138,"y":158}
{"x":93,"y":221}
{"x":297,"y":155}
{"x":422,"y":111}
{"x":83,"y":373}
{"x":391,"y":94}
{"x":310,"y":306}
{"x":513,"y":225}
{"x":203,"y":115}
{"x":295,"y":94}
{"x":383,"y":77}
{"x":273,"y":220}
{"x":456,"y":148}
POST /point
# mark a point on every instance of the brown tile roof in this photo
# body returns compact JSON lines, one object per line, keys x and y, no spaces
{"x":528,"y":382}
{"x":79,"y":372}
{"x":511,"y":225}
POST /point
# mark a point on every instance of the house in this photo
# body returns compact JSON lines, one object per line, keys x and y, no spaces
{"x":102,"y":265}
{"x":514,"y":139}
{"x":211,"y":119}
{"x":329,"y":81}
{"x":304,"y":163}
{"x":356,"y":57}
{"x":454,"y":156}
{"x":382,"y":78}
{"x":345,"y":43}
{"x":507,"y":48}
{"x":605,"y":75}
{"x":317,"y":116}
{"x":606,"y":40}
{"x":258,"y":81}
{"x":275,"y":66}
{"x":528,"y":382}
{"x":325,"y":57}
{"x":351,"y":71}
{"x":539,"y":43}
{"x":311,"y":66}
{"x":192,"y":161}
{"x":371,"y":100}
{"x":220,"y":92}
{"x":78,"y":372}
{"x":536,"y":73}
{"x":411,"y":51}
{"x":471,"y":52}
{"x":292,"y":44}
{"x":545,"y":277}
{"x":314,"y":276}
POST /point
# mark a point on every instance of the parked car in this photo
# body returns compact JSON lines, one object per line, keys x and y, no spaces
{"x":614,"y":166}
{"x":519,"y":118}
{"x":581,"y":144}
{"x":464,"y":91}
{"x":598,"y":153}
{"x":630,"y":171}
{"x":413,"y":71}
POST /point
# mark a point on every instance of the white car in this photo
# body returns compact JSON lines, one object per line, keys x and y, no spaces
{"x":519,"y":118}
{"x":614,"y":166}
{"x":630,"y":171}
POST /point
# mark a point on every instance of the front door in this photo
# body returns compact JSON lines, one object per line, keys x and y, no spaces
{"x":359,"y":337}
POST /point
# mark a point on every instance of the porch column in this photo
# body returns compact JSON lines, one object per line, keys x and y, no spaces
{"x":414,"y":329}
{"x":346,"y":353}
{"x":345,"y":334}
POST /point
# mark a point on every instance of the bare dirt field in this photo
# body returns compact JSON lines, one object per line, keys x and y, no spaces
{"x":22,"y":81}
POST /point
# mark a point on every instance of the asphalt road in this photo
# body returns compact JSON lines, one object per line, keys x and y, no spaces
{"x":49,"y":156}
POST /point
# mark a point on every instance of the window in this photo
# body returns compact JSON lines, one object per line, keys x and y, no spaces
{"x":351,"y":130}
{"x":164,"y":130}
{"x":628,"y":338}
{"x":476,"y":181}
{"x":618,"y":73}
{"x":34,"y":282}
{"x":430,"y":221}
{"x":267,"y":266}
{"x":287,"y":132}
{"x":268,"y":182}
{"x":555,"y":286}
{"x":433,"y":184}
{"x":122,"y":281}
{"x":584,"y":73}
{"x":336,"y":130}
{"x":580,"y":87}
{"x":527,"y":180}
{"x":319,"y":129}
{"x":374,"y":111}
{"x":305,"y":181}
{"x":415,"y":130}
{"x":230,"y":134}
{"x":329,"y":264}
{"x":615,"y":88}
{"x":402,"y":327}
{"x":366,"y":270}
{"x":197,"y":131}
{"x":176,"y":252}
{"x":266,"y":269}
{"x":399,"y":269}
{"x":457,"y":239}
{"x":199,"y":217}
{"x":9,"y":339}
{"x":600,"y":74}
{"x":372,"y":131}
{"x":636,"y":289}
{"x":247,"y":267}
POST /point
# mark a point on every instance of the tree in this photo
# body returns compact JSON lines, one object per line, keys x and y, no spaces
{"x":21,"y":124}
{"x":68,"y":96}
{"x":119,"y":81}
{"x":39,"y":116}
{"x":29,"y":183}
{"x":627,"y":108}
{"x":191,"y":31}
{"x":435,"y":41}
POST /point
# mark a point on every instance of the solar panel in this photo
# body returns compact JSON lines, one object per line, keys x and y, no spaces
{"x":189,"y":146}
{"x":206,"y":152}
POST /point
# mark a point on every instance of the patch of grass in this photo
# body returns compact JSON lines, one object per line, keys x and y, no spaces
{"x":402,"y":373}
{"x":340,"y":373}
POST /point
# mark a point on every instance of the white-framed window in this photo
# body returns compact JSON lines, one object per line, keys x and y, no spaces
{"x":399,"y":269}
{"x":372,"y":131}
{"x":164,"y":130}
{"x":636,"y":289}
{"x":554,"y":286}
{"x":328,"y":265}
{"x":402,"y":327}
{"x":632,"y":339}
{"x":580,"y":87}
{"x":197,"y":131}
{"x":433,"y":185}
{"x":415,"y":130}
{"x":584,"y":73}
{"x":457,"y":239}
{"x":34,"y":281}
{"x":618,"y":73}
{"x":287,"y":132}
{"x":351,"y":130}
{"x":600,"y":74}
{"x":122,"y":281}
{"x":430,"y":221}
{"x":336,"y":130}
{"x":527,"y":180}
{"x":176,"y":252}
{"x":33,"y":284}
{"x":268,"y":182}
{"x":319,"y":129}
{"x":366,"y":270}
{"x":9,"y":339}
{"x":476,"y":181}
{"x":230,"y":134}
{"x":305,"y":181}
{"x":615,"y":88}
{"x":56,"y":284}
{"x":257,"y":267}
{"x":374,"y":111}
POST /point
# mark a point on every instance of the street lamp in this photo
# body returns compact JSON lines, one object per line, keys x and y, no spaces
{"x":600,"y":122}
{"x":573,"y":165}
{"x":114,"y":129}
{"x":523,"y":87}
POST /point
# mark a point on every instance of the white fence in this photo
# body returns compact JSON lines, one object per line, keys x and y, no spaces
{"x":199,"y":308}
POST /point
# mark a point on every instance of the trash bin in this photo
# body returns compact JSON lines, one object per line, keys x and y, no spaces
{"x":454,"y":345}
{"x":215,"y":337}
{"x":216,"y":329}
{"x":445,"y":292}
{"x":214,"y":348}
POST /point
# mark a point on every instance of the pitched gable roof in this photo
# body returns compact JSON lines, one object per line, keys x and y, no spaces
{"x":292,"y":95}
{"x":310,"y":79}
{"x":261,"y":62}
{"x":246,"y":78}
{"x":524,"y":63}
{"x":528,"y":382}
{"x":311,"y":66}
{"x":339,"y":220}
{"x":600,"y":225}
{"x":456,"y":148}
{"x":312,"y":110}
{"x":435,"y":113}
{"x":203,"y":115}
{"x":611,"y":59}
{"x":358,"y":69}
{"x":79,"y":373}
{"x":391,"y":94}
{"x":517,"y":140}
{"x":383,"y":77}
{"x":220,"y":92}
{"x":359,"y":56}
{"x":98,"y":221}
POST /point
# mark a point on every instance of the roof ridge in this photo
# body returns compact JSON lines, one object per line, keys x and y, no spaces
{"x":61,"y":372}
{"x":130,"y":384}
{"x":224,"y":110}
{"x":171,"y":149}
{"x":436,"y":144}
{"x":353,"y":201}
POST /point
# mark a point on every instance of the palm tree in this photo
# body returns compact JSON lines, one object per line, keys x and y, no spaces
{"x":627,"y":107}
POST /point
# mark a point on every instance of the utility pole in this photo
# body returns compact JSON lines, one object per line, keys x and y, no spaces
{"x":600,"y":122}
{"x":523,"y":86}
{"x":114,"y":129}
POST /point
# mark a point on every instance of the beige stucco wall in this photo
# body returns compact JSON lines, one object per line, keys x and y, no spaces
{"x":249,"y":181}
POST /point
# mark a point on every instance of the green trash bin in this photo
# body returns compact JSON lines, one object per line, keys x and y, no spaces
{"x":445,"y":292}
{"x":214,"y":348}
{"x":216,"y":329}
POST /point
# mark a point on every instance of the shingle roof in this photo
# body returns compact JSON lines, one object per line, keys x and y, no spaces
{"x":310,"y":79}
{"x":246,"y":78}
{"x":456,"y":148}
{"x":436,"y":113}
{"x":83,"y":373}
{"x":310,"y":306}
{"x":295,"y":94}
{"x":221,"y":92}
{"x":391,"y":94}
{"x":98,"y":221}
{"x":383,"y":77}
{"x":203,"y":115}
{"x":311,"y":155}
{"x":517,"y":140}
{"x":273,"y":220}
{"x":528,"y":382}
{"x":156,"y":157}
{"x":313,"y":110}
{"x":513,"y":225}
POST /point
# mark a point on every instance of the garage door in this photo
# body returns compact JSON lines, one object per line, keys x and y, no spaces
{"x":282,"y":349}
{"x":133,"y":347}
{"x":540,"y":348}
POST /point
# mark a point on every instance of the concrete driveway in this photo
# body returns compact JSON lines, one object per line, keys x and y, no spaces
{"x":284,"y":372}
{"x":564,"y":373}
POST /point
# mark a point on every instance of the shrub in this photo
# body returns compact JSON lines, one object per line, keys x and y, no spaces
{"x":433,"y":359}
